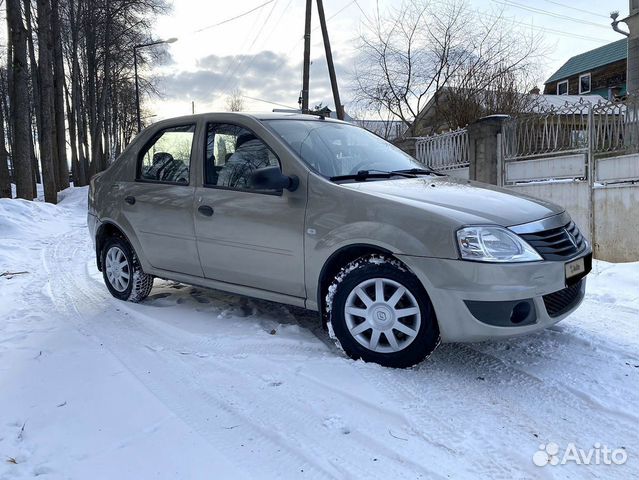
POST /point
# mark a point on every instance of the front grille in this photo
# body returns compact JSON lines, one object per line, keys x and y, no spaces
{"x":557,"y":243}
{"x":563,"y":300}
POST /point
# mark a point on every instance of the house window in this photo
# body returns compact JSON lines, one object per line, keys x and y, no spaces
{"x":562,"y":88}
{"x":584,"y":83}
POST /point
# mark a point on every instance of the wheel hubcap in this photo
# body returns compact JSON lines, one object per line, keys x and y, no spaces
{"x":117,"y":269}
{"x":382,"y":315}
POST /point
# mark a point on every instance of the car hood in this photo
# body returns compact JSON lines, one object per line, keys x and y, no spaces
{"x":473,"y":201}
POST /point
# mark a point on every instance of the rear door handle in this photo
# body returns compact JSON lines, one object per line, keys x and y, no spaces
{"x":130,"y":200}
{"x":205,"y":210}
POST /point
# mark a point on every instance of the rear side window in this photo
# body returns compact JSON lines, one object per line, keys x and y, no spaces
{"x":167,"y":157}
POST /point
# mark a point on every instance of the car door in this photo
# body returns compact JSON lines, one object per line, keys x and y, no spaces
{"x":246,"y":236}
{"x":159,"y":203}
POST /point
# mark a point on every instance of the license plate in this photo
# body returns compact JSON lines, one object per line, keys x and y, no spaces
{"x":575,"y":267}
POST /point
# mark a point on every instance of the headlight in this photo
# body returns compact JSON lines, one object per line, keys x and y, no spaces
{"x":494,"y":244}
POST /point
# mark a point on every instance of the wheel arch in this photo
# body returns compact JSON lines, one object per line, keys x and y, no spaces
{"x":107,"y":230}
{"x":338,"y":260}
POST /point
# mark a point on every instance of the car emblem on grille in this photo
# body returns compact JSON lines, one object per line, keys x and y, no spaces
{"x":571,"y":237}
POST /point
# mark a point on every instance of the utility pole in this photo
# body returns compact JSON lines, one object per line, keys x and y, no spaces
{"x":307,"y":56}
{"x":329,"y":60}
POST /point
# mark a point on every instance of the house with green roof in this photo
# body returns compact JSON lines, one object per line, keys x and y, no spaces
{"x":601,"y":71}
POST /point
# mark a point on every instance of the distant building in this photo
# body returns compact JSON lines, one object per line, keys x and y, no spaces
{"x":601,"y":71}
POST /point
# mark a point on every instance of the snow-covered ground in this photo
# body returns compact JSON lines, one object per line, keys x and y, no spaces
{"x":194,"y":383}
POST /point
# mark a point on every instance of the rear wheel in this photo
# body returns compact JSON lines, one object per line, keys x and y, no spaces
{"x":380,"y":312}
{"x":122,"y":272}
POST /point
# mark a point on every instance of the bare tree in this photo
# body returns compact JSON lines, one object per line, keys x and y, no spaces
{"x":463,"y":103}
{"x":46,"y":134}
{"x":80,"y":54}
{"x":19,"y":101}
{"x":58,"y":98}
{"x":235,"y":101}
{"x":411,"y":52}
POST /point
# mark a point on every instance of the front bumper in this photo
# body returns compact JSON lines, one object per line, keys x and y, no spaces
{"x":454,"y":284}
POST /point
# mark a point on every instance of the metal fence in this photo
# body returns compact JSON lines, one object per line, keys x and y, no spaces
{"x":607,"y":126}
{"x":448,"y":151}
{"x":615,"y":126}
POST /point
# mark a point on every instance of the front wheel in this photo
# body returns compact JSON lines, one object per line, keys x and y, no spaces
{"x":122,"y":272}
{"x":380,"y":312}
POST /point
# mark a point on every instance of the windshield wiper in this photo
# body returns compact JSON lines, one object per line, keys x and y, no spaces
{"x":362,"y":175}
{"x":420,"y":171}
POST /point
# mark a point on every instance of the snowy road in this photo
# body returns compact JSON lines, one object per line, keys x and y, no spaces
{"x":195,"y":383}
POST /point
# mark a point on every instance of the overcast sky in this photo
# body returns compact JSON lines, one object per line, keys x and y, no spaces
{"x":261,"y":53}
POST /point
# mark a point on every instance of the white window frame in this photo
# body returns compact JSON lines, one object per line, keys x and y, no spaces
{"x":581,"y":92}
{"x":561,"y":83}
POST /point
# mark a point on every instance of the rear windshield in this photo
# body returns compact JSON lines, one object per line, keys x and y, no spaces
{"x":333,"y":149}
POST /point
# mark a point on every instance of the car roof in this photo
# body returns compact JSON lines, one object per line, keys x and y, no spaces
{"x":259,"y":116}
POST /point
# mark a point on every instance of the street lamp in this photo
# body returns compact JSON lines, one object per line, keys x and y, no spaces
{"x":135,"y":67}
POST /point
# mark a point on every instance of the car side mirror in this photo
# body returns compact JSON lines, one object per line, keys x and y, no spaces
{"x":271,"y":178}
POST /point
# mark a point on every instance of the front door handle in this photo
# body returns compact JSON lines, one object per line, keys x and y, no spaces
{"x":130,"y":200}
{"x":205,"y":210}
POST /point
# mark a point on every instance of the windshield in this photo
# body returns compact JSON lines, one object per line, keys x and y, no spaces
{"x":336,"y":149}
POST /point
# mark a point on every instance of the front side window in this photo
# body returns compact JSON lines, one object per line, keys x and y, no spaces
{"x":562,"y":88}
{"x":584,"y":83}
{"x":233,"y":153}
{"x":334,"y":149}
{"x":167,"y":157}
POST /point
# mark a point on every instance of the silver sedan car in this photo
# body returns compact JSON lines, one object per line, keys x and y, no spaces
{"x":324,"y":215}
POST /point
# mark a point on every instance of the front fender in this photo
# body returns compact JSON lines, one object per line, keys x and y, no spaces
{"x":379,"y":236}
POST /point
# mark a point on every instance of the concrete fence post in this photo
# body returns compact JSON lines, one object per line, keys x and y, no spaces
{"x":483,"y":149}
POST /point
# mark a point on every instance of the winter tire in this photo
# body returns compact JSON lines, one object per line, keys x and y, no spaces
{"x":122,"y":272}
{"x":380,"y":312}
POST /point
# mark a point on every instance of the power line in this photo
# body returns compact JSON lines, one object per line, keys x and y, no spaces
{"x":268,"y":101}
{"x":318,"y":27}
{"x":362,"y":10}
{"x":337,"y":13}
{"x":570,"y":7}
{"x":541,"y":11}
{"x":241,"y":61}
{"x":235,"y":17}
{"x":543,"y":29}
{"x":233,"y":63}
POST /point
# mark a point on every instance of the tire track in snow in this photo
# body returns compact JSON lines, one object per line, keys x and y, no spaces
{"x":278,"y":459}
{"x":128,"y":337}
{"x":539,"y":398}
{"x":145,"y":326}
